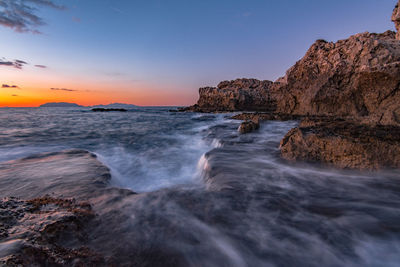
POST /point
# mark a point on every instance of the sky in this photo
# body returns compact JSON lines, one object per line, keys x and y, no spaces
{"x":159,"y":52}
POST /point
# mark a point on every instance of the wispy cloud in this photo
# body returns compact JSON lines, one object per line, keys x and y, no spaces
{"x":63,"y":89}
{"x":76,"y":19}
{"x":117,"y":10}
{"x":9,"y":86}
{"x":20,"y":15}
{"x":14,"y":95}
{"x":41,"y":66}
{"x":16,"y":63}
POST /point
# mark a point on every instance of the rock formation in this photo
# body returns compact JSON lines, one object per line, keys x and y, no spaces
{"x":35,"y":232}
{"x":237,"y":95}
{"x":248,"y":126}
{"x":396,"y":19}
{"x":343,"y":144}
{"x":358,"y":77}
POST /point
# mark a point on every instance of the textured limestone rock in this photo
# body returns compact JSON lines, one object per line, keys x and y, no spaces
{"x":240,"y":94}
{"x":358,"y":77}
{"x":261,"y":116}
{"x":248,"y":126}
{"x":396,"y":19}
{"x":45,"y":231}
{"x":343,"y":144}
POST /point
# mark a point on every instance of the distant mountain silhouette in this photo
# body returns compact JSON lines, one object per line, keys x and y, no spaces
{"x":60,"y":105}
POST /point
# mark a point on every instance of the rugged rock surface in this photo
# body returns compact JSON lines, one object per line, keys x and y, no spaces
{"x":343,"y":144}
{"x":260,"y":116}
{"x":358,"y":77}
{"x":396,"y":19}
{"x":60,"y":206}
{"x":355,"y":78}
{"x":248,"y":126}
{"x":36,"y":232}
{"x":237,"y":95}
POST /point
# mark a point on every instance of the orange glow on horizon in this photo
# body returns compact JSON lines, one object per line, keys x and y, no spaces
{"x":36,"y":90}
{"x":135,"y":99}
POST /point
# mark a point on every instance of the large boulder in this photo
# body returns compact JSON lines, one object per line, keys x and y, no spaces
{"x":358,"y":77}
{"x":248,"y":126}
{"x":343,"y":144}
{"x":237,"y":95}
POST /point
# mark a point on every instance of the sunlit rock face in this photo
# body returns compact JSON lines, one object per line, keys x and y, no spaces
{"x":343,"y":144}
{"x":237,"y":95}
{"x":358,"y":77}
{"x":396,"y":19}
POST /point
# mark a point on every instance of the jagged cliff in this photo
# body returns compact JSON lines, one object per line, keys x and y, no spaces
{"x":237,"y":95}
{"x":356,"y":79}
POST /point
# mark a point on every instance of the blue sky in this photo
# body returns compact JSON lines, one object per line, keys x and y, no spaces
{"x":174,"y":47}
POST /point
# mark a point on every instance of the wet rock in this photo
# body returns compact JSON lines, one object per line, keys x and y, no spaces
{"x":343,"y":144}
{"x":109,"y":110}
{"x":358,"y":78}
{"x":64,"y":200}
{"x":248,"y":126}
{"x":69,"y":174}
{"x":45,"y":232}
{"x":257,"y":116}
{"x":396,"y":19}
{"x":237,"y":95}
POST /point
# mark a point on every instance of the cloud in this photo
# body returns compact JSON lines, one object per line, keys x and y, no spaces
{"x":20,"y":15}
{"x":63,"y":89}
{"x":76,"y":19}
{"x":16,"y":63}
{"x":14,"y":95}
{"x":9,"y":86}
{"x":41,"y":66}
{"x":117,"y":10}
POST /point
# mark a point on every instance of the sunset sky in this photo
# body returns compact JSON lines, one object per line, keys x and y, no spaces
{"x":154,"y":52}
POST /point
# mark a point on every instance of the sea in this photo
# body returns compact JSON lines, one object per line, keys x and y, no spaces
{"x":265,"y":211}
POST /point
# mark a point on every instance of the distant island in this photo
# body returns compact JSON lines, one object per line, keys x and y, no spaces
{"x":116,"y":106}
{"x":60,"y":105}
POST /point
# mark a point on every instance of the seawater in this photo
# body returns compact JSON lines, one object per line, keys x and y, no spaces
{"x":231,"y":199}
{"x":146,"y":149}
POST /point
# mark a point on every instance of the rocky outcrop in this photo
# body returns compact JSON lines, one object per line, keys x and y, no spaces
{"x":261,"y":116}
{"x":248,"y":126}
{"x":355,"y":78}
{"x":343,"y":144}
{"x":237,"y":95}
{"x":358,"y":77}
{"x":50,"y":206}
{"x":396,"y":19}
{"x":35,"y":232}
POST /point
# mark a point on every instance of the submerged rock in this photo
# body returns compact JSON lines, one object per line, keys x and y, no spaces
{"x":109,"y":110}
{"x":248,"y":126}
{"x":343,"y":144}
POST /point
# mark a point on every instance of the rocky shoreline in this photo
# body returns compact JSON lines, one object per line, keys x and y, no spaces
{"x":356,"y":80}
